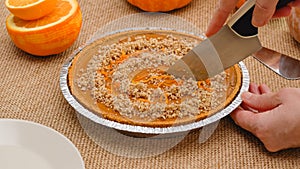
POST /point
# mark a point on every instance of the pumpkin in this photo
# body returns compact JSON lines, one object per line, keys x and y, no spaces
{"x":293,"y":22}
{"x":159,"y":5}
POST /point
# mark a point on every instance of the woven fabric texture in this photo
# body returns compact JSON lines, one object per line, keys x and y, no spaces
{"x":29,"y":90}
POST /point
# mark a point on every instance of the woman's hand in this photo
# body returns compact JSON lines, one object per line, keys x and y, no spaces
{"x":272,"y":117}
{"x":264,"y":10}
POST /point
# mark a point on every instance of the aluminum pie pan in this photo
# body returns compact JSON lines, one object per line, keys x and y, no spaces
{"x":142,"y":129}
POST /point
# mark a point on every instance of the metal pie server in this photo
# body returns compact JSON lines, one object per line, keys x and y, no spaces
{"x":234,"y":42}
{"x":283,"y":65}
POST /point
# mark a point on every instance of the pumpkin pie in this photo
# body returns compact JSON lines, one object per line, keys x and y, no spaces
{"x":121,"y":77}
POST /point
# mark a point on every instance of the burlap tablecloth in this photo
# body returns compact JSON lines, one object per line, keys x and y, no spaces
{"x":29,"y":90}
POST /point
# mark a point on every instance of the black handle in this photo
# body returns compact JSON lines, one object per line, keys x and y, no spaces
{"x":244,"y":27}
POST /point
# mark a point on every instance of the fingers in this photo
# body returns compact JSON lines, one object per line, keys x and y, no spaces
{"x":282,"y":12}
{"x":263,"y":102}
{"x":215,"y":24}
{"x":256,"y":89}
{"x":259,"y":89}
{"x":245,"y":119}
{"x":220,"y":16}
{"x":253,"y":88}
{"x":295,"y":3}
{"x":264,"y":89}
{"x":263,"y":12}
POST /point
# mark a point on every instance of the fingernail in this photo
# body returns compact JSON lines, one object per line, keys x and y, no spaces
{"x":246,"y":95}
{"x":257,"y":22}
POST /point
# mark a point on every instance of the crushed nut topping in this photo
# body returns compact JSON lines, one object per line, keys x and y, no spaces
{"x":127,"y":77}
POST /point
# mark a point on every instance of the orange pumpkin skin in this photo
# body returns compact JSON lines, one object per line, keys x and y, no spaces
{"x":159,"y":5}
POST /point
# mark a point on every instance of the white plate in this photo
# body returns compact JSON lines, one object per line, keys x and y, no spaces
{"x":29,"y":145}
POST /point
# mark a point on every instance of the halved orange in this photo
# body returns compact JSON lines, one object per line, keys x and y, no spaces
{"x":30,"y":9}
{"x":48,"y":35}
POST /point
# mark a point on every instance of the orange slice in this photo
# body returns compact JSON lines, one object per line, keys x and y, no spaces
{"x":30,"y":9}
{"x":49,"y":35}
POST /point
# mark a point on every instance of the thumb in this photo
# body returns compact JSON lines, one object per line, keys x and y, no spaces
{"x":263,"y":12}
{"x":261,"y":102}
